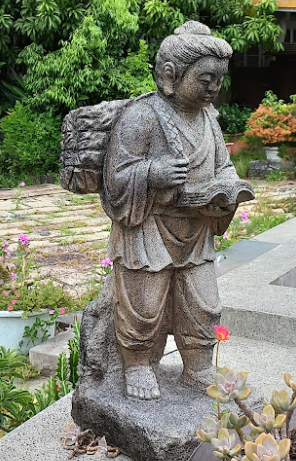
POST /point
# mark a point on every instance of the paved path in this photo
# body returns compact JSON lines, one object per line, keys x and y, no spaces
{"x":70,"y":232}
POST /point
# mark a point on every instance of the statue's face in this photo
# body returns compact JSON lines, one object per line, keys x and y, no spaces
{"x":201,"y":83}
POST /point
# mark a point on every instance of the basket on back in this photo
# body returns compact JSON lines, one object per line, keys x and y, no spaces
{"x":85,"y":137}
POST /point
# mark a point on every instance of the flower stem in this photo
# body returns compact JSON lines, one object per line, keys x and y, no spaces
{"x":246,"y":410}
{"x":289,"y":416}
{"x":217,"y":356}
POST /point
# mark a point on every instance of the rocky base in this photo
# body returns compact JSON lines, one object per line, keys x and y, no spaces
{"x":157,"y":430}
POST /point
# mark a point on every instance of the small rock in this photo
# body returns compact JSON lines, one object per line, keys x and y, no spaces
{"x":278,"y":211}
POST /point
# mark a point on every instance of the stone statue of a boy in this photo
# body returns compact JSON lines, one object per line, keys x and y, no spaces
{"x":163,"y":154}
{"x":164,"y":145}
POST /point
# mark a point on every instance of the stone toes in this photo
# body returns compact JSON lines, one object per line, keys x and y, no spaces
{"x":155,"y":393}
{"x":141,"y":393}
{"x":148,"y":395}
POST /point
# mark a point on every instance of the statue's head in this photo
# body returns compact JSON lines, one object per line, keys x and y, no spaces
{"x":191,"y":57}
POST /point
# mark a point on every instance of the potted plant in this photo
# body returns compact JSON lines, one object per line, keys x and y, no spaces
{"x":27,"y":304}
{"x":274,"y":123}
{"x":233,"y":120}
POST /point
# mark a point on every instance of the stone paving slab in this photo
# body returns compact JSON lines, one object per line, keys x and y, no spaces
{"x":38,"y":438}
{"x":253,"y":305}
{"x":266,"y":363}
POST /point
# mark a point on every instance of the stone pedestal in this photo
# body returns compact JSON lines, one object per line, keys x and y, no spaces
{"x":158,"y":430}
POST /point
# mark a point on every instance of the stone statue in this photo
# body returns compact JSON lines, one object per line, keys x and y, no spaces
{"x":169,"y":186}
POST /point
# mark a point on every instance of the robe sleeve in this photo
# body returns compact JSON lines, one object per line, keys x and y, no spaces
{"x":127,"y":197}
{"x":224,"y":170}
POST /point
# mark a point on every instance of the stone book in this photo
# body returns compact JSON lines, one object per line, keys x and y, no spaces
{"x":220,"y":193}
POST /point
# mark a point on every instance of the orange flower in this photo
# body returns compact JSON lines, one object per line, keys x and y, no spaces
{"x":221,"y":332}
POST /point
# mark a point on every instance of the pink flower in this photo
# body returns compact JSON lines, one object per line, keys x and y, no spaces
{"x":13,"y":275}
{"x":41,"y":282}
{"x":68,"y":328}
{"x":18,"y":296}
{"x":244,"y":216}
{"x":22,"y":184}
{"x":24,"y":239}
{"x":1,"y":258}
{"x":254,"y":235}
{"x":62,"y":310}
{"x":14,"y":301}
{"x":225,"y":235}
{"x":10,"y":308}
{"x":218,"y":242}
{"x":107,"y":262}
{"x":14,"y":267}
{"x":4,"y":244}
{"x":221,"y":332}
{"x":51,"y":312}
{"x":105,"y":278}
{"x":6,"y":250}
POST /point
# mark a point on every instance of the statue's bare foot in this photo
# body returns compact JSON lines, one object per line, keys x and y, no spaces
{"x":141,"y":383}
{"x":199,"y":380}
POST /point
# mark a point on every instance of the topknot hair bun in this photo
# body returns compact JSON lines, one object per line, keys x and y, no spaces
{"x":193,"y":27}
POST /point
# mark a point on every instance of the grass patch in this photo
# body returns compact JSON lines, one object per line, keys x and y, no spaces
{"x":280,"y":175}
{"x":101,"y":245}
{"x":240,"y":230}
{"x":66,"y":231}
{"x":82,"y":199}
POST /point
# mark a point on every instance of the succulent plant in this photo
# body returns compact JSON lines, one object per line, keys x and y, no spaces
{"x":265,"y":448}
{"x":229,"y":385}
{"x":281,"y":402}
{"x":238,"y":422}
{"x":289,"y":381}
{"x":266,"y":421}
{"x":211,"y":428}
{"x":225,"y":445}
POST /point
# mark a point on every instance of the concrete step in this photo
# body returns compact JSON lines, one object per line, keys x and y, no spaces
{"x":265,"y":362}
{"x":258,"y":297}
{"x":45,"y":356}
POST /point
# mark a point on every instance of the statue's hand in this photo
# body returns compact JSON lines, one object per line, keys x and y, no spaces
{"x":216,"y":211}
{"x":167,"y":172}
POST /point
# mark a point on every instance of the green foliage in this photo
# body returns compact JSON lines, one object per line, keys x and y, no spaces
{"x":67,"y":368}
{"x":12,"y":399}
{"x":244,"y":25}
{"x":38,"y":332}
{"x":242,"y":160}
{"x":57,"y":55}
{"x":280,"y":175}
{"x":31,"y":142}
{"x":89,"y":67}
{"x":258,"y":224}
{"x":233,"y":119}
{"x":10,"y":364}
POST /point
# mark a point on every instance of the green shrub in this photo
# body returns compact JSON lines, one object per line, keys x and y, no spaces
{"x":242,"y":161}
{"x":31,"y":142}
{"x":233,"y":119}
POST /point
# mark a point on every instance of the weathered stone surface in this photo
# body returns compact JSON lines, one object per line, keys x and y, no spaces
{"x":261,"y":168}
{"x":154,"y":430}
{"x":144,"y":430}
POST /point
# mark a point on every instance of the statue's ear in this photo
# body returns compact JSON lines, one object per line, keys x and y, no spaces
{"x":169,"y":78}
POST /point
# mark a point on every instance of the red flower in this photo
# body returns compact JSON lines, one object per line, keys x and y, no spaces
{"x":221,"y":332}
{"x":58,"y":388}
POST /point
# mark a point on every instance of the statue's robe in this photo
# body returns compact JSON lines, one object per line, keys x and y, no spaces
{"x":152,"y":239}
